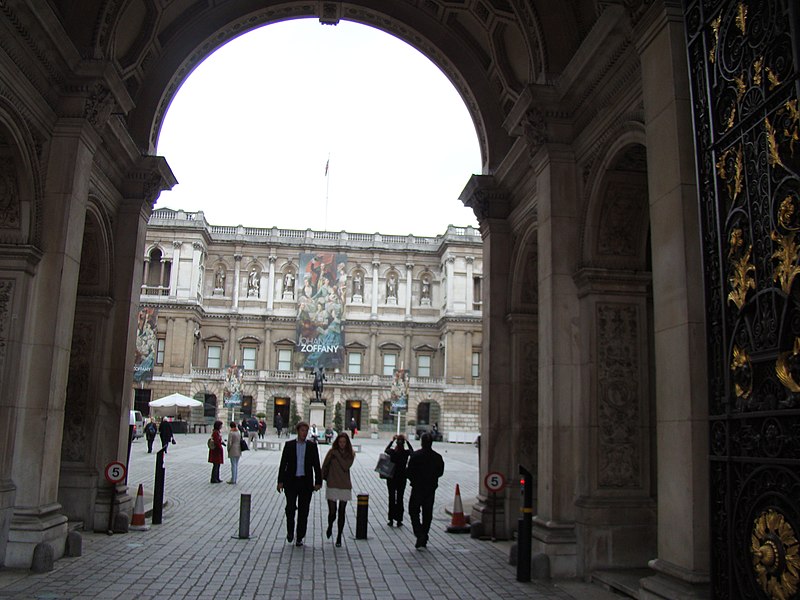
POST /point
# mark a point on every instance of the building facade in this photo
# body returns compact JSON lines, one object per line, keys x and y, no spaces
{"x":243,"y":318}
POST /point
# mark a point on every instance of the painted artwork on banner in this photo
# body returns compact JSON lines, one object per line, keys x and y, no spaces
{"x":320,"y":310}
{"x":232,"y":389}
{"x":399,"y":391}
{"x":146,"y":341}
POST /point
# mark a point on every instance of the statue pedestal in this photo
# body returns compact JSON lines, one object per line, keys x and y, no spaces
{"x":358,"y":299}
{"x":316,"y":414}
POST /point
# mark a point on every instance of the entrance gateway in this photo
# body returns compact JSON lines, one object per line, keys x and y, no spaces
{"x":638,"y":360}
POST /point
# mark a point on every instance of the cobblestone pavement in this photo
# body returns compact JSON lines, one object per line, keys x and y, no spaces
{"x":196,"y":552}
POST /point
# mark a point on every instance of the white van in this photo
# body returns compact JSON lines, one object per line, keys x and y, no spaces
{"x":137,"y":420}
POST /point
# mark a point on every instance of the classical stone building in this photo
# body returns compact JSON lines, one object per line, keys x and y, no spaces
{"x":638,"y":207}
{"x":239,"y":301}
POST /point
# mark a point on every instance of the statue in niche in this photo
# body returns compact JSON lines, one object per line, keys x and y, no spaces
{"x":358,"y":284}
{"x":219,"y":278}
{"x":319,"y":383}
{"x":391,"y":287}
{"x":253,"y":282}
{"x":425,"y":295}
{"x":288,"y":282}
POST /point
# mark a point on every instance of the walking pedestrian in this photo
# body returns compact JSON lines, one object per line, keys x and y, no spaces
{"x":262,"y":428}
{"x":299,"y":475}
{"x":234,"y":451}
{"x":215,"y":455}
{"x":150,"y":431}
{"x":396,"y":484}
{"x":165,"y":433}
{"x":279,"y":424}
{"x":424,"y":469}
{"x":353,"y":427}
{"x":338,"y":487}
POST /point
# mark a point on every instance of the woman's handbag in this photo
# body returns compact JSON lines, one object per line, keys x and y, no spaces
{"x":385,"y":466}
{"x":211,"y":444}
{"x":243,"y":445}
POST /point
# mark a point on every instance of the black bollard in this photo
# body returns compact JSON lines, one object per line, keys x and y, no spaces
{"x":362,"y":511}
{"x":244,"y":517}
{"x":158,"y":492}
{"x":525,"y":526}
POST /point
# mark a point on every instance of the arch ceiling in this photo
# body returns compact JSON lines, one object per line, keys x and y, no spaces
{"x":489,"y":49}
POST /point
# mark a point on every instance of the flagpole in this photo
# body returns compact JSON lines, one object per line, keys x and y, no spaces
{"x":327,"y":189}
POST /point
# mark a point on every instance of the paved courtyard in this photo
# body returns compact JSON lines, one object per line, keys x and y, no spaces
{"x":196,"y":552}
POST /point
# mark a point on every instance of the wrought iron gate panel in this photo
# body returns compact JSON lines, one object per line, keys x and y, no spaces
{"x":743,"y":69}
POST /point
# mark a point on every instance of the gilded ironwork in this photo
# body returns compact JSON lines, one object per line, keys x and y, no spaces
{"x":744,"y":73}
{"x":742,"y":278}
{"x":731,"y":175}
{"x":742,"y":373}
{"x":786,"y":215}
{"x":786,"y":255}
{"x":787,"y":364}
{"x":792,"y":129}
{"x":741,"y":17}
{"x":776,"y":561}
{"x":712,"y":54}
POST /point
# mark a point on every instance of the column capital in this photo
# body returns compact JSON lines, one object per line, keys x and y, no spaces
{"x":197,"y":246}
{"x":237,"y":257}
{"x":470,"y":259}
{"x":272,"y":258}
{"x":177,"y":243}
{"x":486,"y":198}
{"x":409,"y":266}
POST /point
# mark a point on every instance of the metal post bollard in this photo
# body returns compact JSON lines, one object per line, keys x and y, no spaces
{"x":158,"y":492}
{"x":244,"y":517}
{"x":362,"y":511}
{"x":525,"y":526}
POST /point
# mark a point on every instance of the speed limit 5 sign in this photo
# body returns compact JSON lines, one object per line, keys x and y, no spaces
{"x":115,"y":472}
{"x":494,"y":481}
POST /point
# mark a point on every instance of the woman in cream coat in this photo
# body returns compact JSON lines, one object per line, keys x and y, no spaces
{"x":338,"y":487}
{"x":234,"y":451}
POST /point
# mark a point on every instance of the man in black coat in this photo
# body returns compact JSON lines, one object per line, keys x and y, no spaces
{"x":299,"y":475}
{"x":424,"y":469}
{"x":165,"y":433}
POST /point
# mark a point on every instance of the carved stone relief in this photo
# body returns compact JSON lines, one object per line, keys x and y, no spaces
{"x":623,"y":210}
{"x":618,"y":402}
{"x":6,"y":302}
{"x":9,"y":195}
{"x":73,"y":446}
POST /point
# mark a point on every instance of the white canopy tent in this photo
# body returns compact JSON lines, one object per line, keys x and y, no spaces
{"x":173,"y":405}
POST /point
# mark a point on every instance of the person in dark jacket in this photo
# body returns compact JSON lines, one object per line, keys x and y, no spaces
{"x":150,"y":431}
{"x":396,"y":484}
{"x":215,"y":454}
{"x":279,"y":424}
{"x":299,"y":475}
{"x":424,"y":469}
{"x":165,"y":433}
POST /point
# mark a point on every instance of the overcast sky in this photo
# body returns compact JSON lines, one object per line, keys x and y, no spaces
{"x":250,"y":131}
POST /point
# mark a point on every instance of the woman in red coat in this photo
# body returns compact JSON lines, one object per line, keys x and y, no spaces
{"x":215,"y":455}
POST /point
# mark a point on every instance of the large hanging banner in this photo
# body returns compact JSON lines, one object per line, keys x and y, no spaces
{"x":146,"y":342}
{"x":399,"y":391}
{"x":320,"y":310}
{"x":232,"y":390}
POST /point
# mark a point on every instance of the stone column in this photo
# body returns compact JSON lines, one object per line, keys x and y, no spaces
{"x":146,"y":272}
{"x":176,"y":265}
{"x":375,"y":290}
{"x":161,"y":274}
{"x":491,"y":206}
{"x":168,"y":342}
{"x":232,"y":358}
{"x":470,"y":285}
{"x":554,"y":528}
{"x":191,"y":347}
{"x":450,"y":270}
{"x":409,"y":282}
{"x":237,"y":269}
{"x":373,"y":350}
{"x":468,"y":357}
{"x":682,"y":565}
{"x":197,"y":266}
{"x":407,"y":352}
{"x":271,"y":283}
{"x":45,"y":348}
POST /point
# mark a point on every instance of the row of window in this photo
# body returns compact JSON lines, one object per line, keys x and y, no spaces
{"x":354,"y":360}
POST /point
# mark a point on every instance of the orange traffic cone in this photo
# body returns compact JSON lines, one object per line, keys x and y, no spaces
{"x":458,"y":523}
{"x":137,"y":521}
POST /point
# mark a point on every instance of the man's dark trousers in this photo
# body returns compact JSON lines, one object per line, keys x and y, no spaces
{"x":397,"y":488}
{"x":421,"y":499}
{"x":298,"y":498}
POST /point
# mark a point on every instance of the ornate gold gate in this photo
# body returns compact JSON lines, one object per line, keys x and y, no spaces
{"x":743,"y":59}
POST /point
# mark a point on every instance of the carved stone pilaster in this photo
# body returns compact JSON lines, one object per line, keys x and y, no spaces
{"x":486,"y":199}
